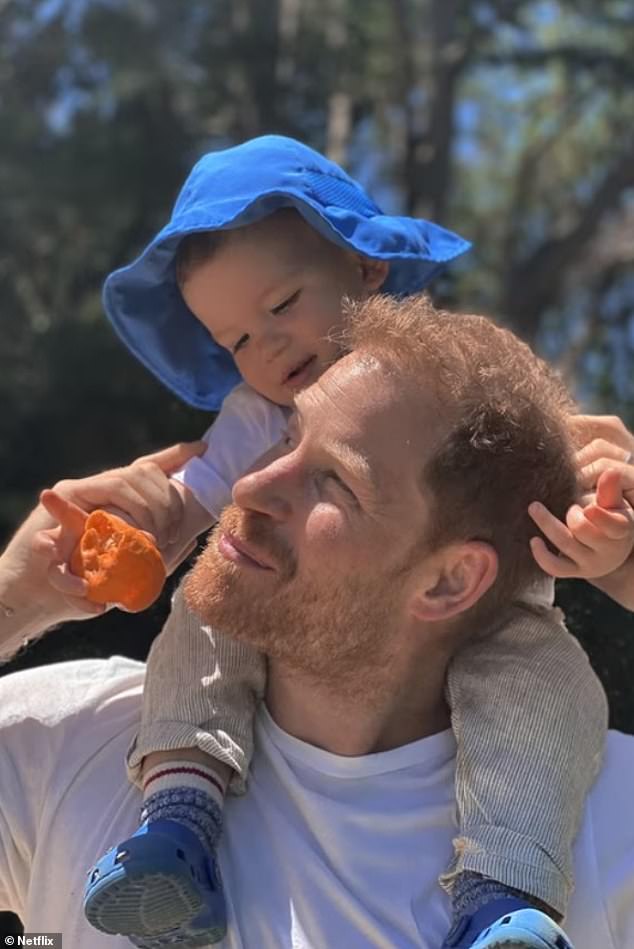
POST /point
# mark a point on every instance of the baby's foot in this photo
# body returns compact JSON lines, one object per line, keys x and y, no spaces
{"x":161,"y":886}
{"x":507,"y":924}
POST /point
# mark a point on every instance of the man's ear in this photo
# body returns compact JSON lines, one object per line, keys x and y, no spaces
{"x":454,"y":581}
{"x":373,"y":272}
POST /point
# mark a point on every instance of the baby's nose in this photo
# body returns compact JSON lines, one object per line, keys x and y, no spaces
{"x":273,"y":345}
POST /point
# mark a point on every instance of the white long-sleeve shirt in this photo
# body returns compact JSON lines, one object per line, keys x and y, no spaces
{"x":245,"y":428}
{"x":322,"y":851}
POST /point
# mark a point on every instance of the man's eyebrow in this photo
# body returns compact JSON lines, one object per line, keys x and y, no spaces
{"x":349,"y":458}
{"x":355,"y":462}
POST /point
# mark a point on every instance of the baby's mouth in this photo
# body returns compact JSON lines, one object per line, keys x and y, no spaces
{"x":297,"y":373}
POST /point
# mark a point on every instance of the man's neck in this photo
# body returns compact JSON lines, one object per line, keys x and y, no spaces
{"x":406,"y":706}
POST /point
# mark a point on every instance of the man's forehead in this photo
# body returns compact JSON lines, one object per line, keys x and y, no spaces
{"x":358,"y":406}
{"x":365,"y":392}
{"x":356,"y":393}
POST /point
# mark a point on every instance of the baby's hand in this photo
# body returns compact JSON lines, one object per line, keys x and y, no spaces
{"x":141,"y":493}
{"x":595,"y":540}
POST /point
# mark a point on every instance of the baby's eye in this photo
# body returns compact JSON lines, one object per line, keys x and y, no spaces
{"x":241,"y":342}
{"x":284,"y":305}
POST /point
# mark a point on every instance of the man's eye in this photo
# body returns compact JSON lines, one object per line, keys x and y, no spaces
{"x":284,"y":305}
{"x":241,"y":342}
{"x":333,"y":476}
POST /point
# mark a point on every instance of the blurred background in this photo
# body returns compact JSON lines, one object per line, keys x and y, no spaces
{"x":509,"y":121}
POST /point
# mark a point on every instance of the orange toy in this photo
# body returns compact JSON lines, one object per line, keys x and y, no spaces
{"x":119,"y":563}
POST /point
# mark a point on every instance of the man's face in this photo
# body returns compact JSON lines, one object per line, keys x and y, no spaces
{"x":312,"y":563}
{"x":271,"y":294}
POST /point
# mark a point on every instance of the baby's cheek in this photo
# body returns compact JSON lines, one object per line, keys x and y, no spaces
{"x":257,"y":380}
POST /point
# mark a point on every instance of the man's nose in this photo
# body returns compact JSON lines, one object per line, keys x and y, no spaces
{"x":269,"y":490}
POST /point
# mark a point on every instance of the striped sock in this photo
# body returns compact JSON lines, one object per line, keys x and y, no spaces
{"x":175,"y":774}
{"x":471,"y":891}
{"x":187,"y":792}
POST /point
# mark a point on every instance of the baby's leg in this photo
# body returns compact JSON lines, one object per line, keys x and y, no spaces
{"x":200,"y":694}
{"x":195,"y":739}
{"x":530,"y":719}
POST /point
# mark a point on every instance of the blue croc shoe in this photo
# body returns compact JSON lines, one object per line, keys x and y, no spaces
{"x":160,"y":888}
{"x":507,"y":924}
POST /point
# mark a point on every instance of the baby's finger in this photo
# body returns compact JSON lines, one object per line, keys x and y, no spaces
{"x":115,"y":493}
{"x":612,"y":525}
{"x":610,"y":489}
{"x":150,"y":537}
{"x":172,"y":458}
{"x":162,"y":497}
{"x":550,"y":563}
{"x":557,"y":533}
{"x":584,"y":530}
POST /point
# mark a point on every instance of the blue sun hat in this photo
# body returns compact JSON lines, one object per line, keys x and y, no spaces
{"x":234,"y":187}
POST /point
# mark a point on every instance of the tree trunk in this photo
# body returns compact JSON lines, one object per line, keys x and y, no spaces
{"x":339,"y":106}
{"x":536,"y":283}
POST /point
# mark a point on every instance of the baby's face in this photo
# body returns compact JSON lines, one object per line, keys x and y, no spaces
{"x":271,"y":294}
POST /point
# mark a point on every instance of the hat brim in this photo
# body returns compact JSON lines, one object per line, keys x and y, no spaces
{"x":148,"y":312}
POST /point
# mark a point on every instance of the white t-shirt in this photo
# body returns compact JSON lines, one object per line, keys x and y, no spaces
{"x":246,"y":426}
{"x":322,"y":851}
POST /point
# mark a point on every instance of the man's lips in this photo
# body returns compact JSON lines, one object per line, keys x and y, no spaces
{"x":299,"y":372}
{"x":235,"y":550}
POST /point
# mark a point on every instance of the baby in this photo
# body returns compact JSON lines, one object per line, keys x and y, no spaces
{"x":235,"y":306}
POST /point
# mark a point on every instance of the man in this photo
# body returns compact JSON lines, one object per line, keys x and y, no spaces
{"x":350,"y":812}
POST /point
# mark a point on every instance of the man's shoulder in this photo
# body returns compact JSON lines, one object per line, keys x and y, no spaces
{"x":618,"y":765}
{"x":618,"y":743}
{"x":601,"y":907}
{"x":53,"y":693}
{"x":611,"y":800}
{"x":609,"y":823}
